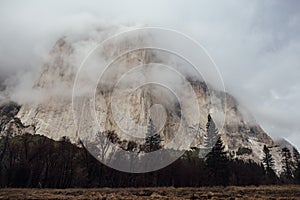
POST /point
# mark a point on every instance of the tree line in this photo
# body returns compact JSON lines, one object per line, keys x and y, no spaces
{"x":37,"y":161}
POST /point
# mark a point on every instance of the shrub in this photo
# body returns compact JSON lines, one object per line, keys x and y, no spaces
{"x":244,"y":150}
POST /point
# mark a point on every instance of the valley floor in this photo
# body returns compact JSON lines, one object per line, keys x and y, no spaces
{"x":232,"y":192}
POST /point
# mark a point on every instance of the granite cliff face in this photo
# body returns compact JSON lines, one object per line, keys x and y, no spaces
{"x":53,"y":115}
{"x":10,"y":125}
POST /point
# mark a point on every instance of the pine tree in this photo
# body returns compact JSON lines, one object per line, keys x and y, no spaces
{"x":211,"y":136}
{"x":268,"y":162}
{"x":153,"y":139}
{"x":217,"y":164}
{"x":287,"y":163}
{"x":296,"y":157}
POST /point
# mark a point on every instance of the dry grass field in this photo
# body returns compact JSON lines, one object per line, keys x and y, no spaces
{"x":252,"y":192}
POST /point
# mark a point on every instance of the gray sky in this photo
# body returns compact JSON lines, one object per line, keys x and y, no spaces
{"x":256,"y":44}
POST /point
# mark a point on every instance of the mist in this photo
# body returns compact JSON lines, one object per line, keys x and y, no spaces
{"x":255,"y":44}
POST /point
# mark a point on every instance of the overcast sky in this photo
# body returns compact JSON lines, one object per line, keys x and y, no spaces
{"x":256,"y":44}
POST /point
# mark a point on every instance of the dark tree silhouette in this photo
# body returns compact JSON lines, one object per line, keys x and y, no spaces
{"x":153,"y":139}
{"x":211,"y":136}
{"x":216,"y":159}
{"x":268,"y":162}
{"x":217,"y":164}
{"x":287,"y":164}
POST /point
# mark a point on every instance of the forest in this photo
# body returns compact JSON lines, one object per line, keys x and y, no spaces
{"x":35,"y":161}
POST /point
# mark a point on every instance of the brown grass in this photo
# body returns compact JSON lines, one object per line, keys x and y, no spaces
{"x":250,"y":192}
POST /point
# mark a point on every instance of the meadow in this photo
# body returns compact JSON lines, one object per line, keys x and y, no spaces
{"x":232,"y":192}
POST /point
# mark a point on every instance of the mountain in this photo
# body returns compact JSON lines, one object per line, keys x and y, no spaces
{"x":9,"y":123}
{"x":52,"y":114}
